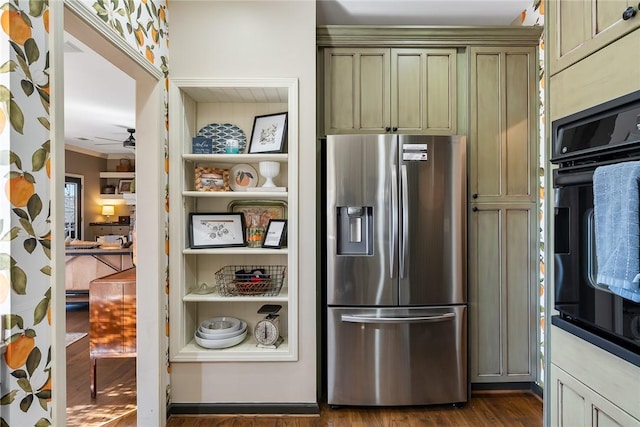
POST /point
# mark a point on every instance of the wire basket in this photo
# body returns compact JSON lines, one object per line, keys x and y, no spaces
{"x":251,"y":280}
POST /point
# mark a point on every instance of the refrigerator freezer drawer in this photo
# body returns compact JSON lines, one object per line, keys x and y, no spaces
{"x":397,"y":356}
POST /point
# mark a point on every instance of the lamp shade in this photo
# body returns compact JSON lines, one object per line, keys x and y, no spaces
{"x":108,"y":210}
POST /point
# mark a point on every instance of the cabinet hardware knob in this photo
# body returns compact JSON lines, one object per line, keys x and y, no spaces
{"x":395,"y":129}
{"x":388,"y":129}
{"x":474,"y":195}
{"x":475,"y":209}
{"x":629,"y":13}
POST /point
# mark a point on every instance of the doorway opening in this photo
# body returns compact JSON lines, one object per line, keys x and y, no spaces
{"x":146,"y":389}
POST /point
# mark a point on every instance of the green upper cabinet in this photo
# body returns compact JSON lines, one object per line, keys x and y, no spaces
{"x":380,"y":90}
{"x":503,"y":120}
{"x":584,"y":27}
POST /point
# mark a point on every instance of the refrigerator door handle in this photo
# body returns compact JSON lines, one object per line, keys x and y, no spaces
{"x":405,"y":221}
{"x":418,"y":319}
{"x":393,"y":219}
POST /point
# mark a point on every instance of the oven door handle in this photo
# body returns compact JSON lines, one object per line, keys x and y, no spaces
{"x":591,"y":256}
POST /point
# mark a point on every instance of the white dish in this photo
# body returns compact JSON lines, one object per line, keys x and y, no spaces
{"x":223,"y":343}
{"x":222,"y":335}
{"x":220,"y":325}
{"x":242,"y":176}
{"x":203,"y":289}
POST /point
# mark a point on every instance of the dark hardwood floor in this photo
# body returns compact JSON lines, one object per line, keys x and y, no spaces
{"x":508,"y":409}
{"x":116,"y":381}
{"x":115,"y":404}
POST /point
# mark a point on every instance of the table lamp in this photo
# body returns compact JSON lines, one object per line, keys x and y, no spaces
{"x":108,"y":210}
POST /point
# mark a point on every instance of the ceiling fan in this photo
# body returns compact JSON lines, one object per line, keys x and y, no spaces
{"x":130,"y":142}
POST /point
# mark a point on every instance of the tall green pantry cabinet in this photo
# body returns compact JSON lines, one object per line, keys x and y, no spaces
{"x":503,"y":238}
{"x":475,"y":81}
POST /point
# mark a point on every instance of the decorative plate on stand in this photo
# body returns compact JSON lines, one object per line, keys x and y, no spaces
{"x":242,"y":177}
{"x":219,"y":133}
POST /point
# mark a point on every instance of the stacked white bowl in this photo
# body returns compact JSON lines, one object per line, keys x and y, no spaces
{"x":221,"y":332}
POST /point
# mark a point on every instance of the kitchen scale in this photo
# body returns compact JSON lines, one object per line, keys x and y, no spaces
{"x":267,"y":330}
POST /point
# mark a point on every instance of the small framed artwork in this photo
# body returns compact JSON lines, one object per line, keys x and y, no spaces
{"x":211,"y":179}
{"x":269,"y":133}
{"x":124,"y":186}
{"x":276,"y":234}
{"x":216,"y":230}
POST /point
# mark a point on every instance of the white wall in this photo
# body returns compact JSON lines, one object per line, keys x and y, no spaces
{"x":251,"y":39}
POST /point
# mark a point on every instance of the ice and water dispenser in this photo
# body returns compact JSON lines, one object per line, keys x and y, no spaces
{"x":355,"y":230}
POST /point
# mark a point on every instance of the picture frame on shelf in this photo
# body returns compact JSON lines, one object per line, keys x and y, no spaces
{"x":268,"y":134}
{"x":276,"y":235}
{"x":124,"y":186}
{"x":211,"y":179}
{"x":216,"y":230}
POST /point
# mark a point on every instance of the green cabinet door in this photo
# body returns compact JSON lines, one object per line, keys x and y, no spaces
{"x":583,"y":27}
{"x":356,"y":90}
{"x":502,"y":292}
{"x":503,"y":140}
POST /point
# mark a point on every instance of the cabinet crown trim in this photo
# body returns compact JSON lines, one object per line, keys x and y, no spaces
{"x":420,"y":36}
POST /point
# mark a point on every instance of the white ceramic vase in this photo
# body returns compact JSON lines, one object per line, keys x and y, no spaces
{"x":269,"y":170}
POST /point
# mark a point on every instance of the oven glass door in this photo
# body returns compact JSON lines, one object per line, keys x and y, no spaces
{"x":577,"y":295}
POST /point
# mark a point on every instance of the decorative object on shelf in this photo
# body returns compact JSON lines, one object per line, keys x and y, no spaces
{"x":242,"y":176}
{"x":211,"y":179}
{"x":203,"y":289}
{"x":219,"y":133}
{"x":269,"y":133}
{"x":124,"y":165}
{"x":220,"y":325}
{"x":201,"y":145}
{"x":262,"y":210}
{"x":267,"y":330}
{"x":108,"y":210}
{"x":232,"y":146}
{"x":124,"y":186}
{"x":224,"y":338}
{"x":269,"y":170}
{"x":276,"y":234}
{"x":255,"y":232}
{"x":108,"y":189}
{"x":216,"y":230}
{"x":250,"y":280}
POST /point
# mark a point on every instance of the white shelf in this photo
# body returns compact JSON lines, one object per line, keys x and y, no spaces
{"x":238,"y":194}
{"x":236,"y":158}
{"x":111,"y":196}
{"x":247,"y":351}
{"x":235,"y":251}
{"x":282,"y":297}
{"x":117,"y":175}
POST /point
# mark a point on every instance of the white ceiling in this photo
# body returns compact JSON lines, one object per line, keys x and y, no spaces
{"x":100,"y":99}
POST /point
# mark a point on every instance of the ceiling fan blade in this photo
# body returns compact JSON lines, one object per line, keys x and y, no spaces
{"x":107,"y":139}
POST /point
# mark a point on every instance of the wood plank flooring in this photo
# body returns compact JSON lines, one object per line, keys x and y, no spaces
{"x":116,"y":381}
{"x":115,"y":405}
{"x":510,"y":409}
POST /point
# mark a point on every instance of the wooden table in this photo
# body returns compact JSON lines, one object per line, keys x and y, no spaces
{"x":84,"y":265}
{"x":112,"y":318}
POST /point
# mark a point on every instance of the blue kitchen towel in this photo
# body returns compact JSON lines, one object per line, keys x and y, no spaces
{"x":616,"y":202}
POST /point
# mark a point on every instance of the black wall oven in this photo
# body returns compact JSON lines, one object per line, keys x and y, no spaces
{"x":603,"y":135}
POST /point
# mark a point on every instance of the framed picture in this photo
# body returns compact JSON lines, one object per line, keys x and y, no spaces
{"x":124,"y":186}
{"x":211,"y":179}
{"x":275,"y":237}
{"x":268,"y":134}
{"x":216,"y":230}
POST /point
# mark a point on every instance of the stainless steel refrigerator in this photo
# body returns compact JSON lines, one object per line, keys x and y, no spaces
{"x":396,"y":282}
